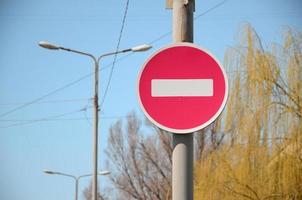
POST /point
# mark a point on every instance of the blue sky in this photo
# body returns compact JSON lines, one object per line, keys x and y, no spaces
{"x":28,"y":72}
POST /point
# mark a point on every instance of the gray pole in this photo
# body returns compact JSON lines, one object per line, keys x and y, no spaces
{"x":182,"y":155}
{"x":95,"y":131}
{"x":76,"y":188}
{"x":182,"y":167}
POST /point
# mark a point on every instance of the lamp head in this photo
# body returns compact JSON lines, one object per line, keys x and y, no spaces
{"x":104,"y":172}
{"x":47,"y":45}
{"x":48,"y":172}
{"x":143,"y":47}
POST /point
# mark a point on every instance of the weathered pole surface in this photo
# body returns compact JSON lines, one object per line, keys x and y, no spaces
{"x":183,"y":144}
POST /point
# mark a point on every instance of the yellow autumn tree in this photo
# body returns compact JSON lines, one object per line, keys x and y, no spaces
{"x":260,"y":157}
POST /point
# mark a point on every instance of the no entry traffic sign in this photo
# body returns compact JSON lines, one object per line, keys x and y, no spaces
{"x":182,"y":88}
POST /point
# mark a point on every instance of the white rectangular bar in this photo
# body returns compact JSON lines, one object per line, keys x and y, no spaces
{"x":181,"y":87}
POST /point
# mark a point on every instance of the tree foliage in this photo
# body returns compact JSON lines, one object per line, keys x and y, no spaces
{"x":261,"y":156}
{"x":141,"y":163}
{"x":87,"y":193}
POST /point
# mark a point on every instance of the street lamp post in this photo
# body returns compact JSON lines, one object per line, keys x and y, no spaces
{"x":76,"y":178}
{"x":96,"y":61}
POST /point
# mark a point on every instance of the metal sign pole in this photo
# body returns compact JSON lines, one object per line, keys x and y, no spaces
{"x":182,"y":156}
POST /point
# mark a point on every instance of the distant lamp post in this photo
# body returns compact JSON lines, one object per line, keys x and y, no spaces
{"x":96,"y":61}
{"x":75,"y":178}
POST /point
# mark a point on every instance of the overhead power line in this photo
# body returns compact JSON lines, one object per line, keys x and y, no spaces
{"x":107,"y":66}
{"x":25,"y":122}
{"x":47,"y":102}
{"x":115,"y":56}
{"x":56,"y":119}
{"x":210,"y":9}
{"x":44,"y":119}
{"x":46,"y":95}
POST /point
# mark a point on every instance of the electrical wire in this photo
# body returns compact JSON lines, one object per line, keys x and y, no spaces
{"x":47,"y":102}
{"x":57,"y":119}
{"x":85,"y":115}
{"x":46,"y":95}
{"x":210,"y":9}
{"x":26,"y":122}
{"x":115,"y":55}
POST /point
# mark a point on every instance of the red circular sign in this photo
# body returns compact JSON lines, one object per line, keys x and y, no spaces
{"x":182,"y":88}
